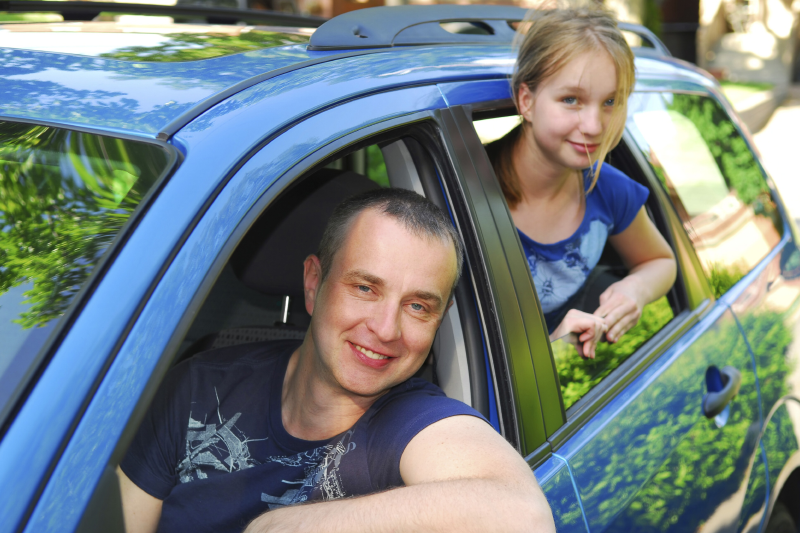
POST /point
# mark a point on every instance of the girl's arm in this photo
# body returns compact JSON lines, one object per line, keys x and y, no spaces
{"x":652,"y":272}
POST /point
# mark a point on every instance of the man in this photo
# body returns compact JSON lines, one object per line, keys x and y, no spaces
{"x":275,"y":424}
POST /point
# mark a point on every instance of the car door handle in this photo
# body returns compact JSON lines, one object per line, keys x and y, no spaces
{"x":722,"y":386}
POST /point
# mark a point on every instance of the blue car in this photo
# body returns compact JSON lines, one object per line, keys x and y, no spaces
{"x":161,"y":183}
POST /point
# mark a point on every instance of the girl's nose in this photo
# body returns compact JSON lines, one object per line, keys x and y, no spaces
{"x":591,"y":123}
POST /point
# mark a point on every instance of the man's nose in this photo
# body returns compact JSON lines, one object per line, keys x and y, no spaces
{"x":385,"y":321}
{"x":591,"y":122}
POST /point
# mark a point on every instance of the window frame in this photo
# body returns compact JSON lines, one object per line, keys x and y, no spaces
{"x":61,"y":326}
{"x":692,"y":297}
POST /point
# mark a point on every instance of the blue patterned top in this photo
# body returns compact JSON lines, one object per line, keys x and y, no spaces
{"x":560,"y":269}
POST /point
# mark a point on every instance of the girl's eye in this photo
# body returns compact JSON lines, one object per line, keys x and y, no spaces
{"x":609,"y":102}
{"x":570,"y":100}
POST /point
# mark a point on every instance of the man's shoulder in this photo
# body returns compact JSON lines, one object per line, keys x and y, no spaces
{"x":418,"y":399}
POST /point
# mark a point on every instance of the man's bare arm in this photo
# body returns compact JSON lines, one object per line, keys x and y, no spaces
{"x":141,"y":511}
{"x":460,"y":475}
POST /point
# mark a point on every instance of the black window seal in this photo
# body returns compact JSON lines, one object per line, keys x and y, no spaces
{"x":512,"y":323}
{"x":546,"y":374}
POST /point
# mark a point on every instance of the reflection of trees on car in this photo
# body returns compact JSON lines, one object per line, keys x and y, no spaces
{"x":64,"y":196}
{"x":578,"y":376}
{"x":196,"y":46}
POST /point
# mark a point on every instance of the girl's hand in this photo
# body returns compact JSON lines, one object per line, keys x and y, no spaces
{"x":621,"y":306}
{"x":589,"y":328}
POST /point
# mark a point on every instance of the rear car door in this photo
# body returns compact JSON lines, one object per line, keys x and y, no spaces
{"x":642,"y":454}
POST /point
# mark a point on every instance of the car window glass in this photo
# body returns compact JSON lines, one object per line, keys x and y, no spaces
{"x":578,"y":376}
{"x":712,"y":178}
{"x":64,"y":196}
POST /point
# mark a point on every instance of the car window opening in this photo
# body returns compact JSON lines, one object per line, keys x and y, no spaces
{"x":259,"y":294}
{"x":578,"y":376}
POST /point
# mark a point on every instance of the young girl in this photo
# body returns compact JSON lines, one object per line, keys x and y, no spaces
{"x":573,"y":76}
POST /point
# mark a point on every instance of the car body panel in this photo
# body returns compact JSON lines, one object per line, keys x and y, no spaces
{"x":71,"y":484}
{"x":640,"y":448}
{"x":556,"y":481}
{"x":122,"y":96}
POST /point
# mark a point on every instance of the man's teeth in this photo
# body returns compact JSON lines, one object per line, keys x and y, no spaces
{"x":370,"y":353}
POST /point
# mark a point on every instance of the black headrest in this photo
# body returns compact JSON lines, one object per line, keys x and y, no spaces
{"x":270,"y":257}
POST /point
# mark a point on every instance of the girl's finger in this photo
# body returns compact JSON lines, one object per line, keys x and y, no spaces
{"x":622,"y":327}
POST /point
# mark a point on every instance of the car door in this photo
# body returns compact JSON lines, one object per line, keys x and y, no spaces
{"x":641,"y":452}
{"x":741,"y":234}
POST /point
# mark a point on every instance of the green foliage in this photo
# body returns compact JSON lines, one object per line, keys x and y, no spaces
{"x":196,"y":46}
{"x":376,"y":166}
{"x":730,"y":150}
{"x":64,"y":196}
{"x":578,"y":375}
{"x":722,"y":277}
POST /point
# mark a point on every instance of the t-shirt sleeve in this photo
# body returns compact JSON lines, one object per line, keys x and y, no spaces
{"x":623,"y":196}
{"x":152,"y":459}
{"x":399,"y":420}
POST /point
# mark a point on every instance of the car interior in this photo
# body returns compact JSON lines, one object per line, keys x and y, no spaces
{"x":259,"y":294}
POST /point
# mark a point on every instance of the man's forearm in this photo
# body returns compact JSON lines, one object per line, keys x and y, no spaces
{"x":460,"y":505}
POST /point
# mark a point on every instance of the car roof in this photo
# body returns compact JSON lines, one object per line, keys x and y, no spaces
{"x":139,"y":78}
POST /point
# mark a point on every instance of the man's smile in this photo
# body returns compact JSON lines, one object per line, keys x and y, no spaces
{"x":369,"y":353}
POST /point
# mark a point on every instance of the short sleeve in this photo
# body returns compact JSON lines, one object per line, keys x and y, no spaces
{"x":152,"y":459}
{"x":397,"y":421}
{"x":622,"y":196}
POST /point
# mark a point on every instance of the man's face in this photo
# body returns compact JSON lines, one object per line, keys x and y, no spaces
{"x":375,"y":316}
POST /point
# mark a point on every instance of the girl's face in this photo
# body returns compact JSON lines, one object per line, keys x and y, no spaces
{"x":570,"y":110}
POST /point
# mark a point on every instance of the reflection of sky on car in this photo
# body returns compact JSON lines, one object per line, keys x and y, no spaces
{"x":148,"y":96}
{"x":79,"y":43}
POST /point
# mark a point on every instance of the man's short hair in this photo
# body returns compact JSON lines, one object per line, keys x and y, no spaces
{"x":417,"y":214}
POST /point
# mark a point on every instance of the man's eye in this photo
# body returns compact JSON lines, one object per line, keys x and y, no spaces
{"x":570,"y":100}
{"x":417,"y":307}
{"x":363,"y":288}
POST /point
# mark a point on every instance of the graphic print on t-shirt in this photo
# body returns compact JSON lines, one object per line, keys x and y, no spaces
{"x":224,"y":448}
{"x":322,"y":471}
{"x":556,"y":281}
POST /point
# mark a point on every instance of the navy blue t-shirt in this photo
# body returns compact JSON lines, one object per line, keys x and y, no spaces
{"x":560,"y":269}
{"x":214,"y":449}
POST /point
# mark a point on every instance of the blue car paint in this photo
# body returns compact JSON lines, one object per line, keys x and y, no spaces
{"x":136,"y":97}
{"x":619,"y":456}
{"x":77,"y":473}
{"x":215,"y":143}
{"x":554,"y":477}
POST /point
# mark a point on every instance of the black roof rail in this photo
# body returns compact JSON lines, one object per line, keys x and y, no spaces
{"x":647,"y":35}
{"x":410,"y":25}
{"x":81,"y":10}
{"x":413,"y":25}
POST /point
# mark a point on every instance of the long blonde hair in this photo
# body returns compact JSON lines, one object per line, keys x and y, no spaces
{"x":548,"y":39}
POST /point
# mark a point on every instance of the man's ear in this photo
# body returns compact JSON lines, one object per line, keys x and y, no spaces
{"x":525,"y":99}
{"x":312,"y":281}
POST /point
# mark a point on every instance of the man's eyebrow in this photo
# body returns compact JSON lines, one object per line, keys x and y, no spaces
{"x":429,"y":297}
{"x":353,"y":276}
